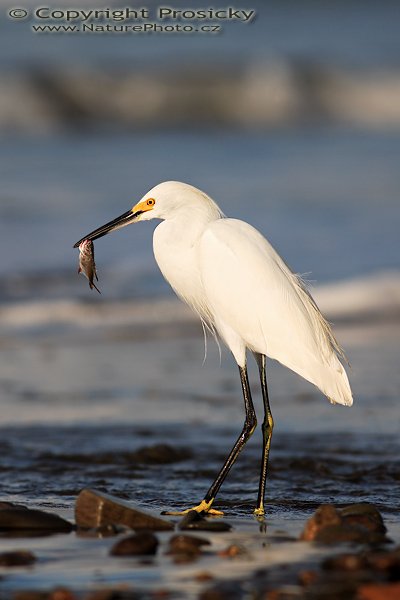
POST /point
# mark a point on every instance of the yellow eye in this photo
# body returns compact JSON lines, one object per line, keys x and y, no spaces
{"x":150,"y":202}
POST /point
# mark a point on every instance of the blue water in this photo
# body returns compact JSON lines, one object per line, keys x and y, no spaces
{"x":327,"y":198}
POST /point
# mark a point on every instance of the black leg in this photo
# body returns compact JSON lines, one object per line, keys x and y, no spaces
{"x":267,"y":427}
{"x":248,"y":428}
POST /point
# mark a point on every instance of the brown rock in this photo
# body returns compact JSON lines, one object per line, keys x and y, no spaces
{"x":181,"y":542}
{"x":358,"y":523}
{"x":203,"y":576}
{"x":96,"y":509}
{"x":194,"y":520}
{"x":185,"y":548}
{"x":307,"y":578}
{"x":144,"y":543}
{"x":379,"y":591}
{"x":17,"y":517}
{"x":364,"y":514}
{"x":233,"y":551}
{"x":337,"y":534}
{"x":387,"y":561}
{"x":325,"y":515}
{"x":18,"y":558}
{"x":345,"y":562}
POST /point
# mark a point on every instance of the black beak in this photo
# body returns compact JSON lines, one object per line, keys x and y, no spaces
{"x":125,"y":219}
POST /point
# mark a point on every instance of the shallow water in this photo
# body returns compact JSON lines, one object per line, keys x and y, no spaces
{"x":138,"y":416}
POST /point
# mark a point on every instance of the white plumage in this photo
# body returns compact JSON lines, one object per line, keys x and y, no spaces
{"x":232,"y":276}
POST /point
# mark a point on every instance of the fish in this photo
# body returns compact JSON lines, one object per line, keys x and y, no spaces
{"x":87,"y":266}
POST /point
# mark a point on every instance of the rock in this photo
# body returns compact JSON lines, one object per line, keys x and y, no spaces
{"x":233,"y":551}
{"x":61,"y":594}
{"x":160,"y":454}
{"x":96,"y":509}
{"x":379,"y":591}
{"x":345,"y":562}
{"x":337,"y":534}
{"x":17,"y":558}
{"x":307,"y":577}
{"x":364,"y":514}
{"x":184,"y":542}
{"x":144,"y":543}
{"x":358,"y":523}
{"x":17,"y":517}
{"x":185,"y":548}
{"x":194,"y":520}
{"x":387,"y":561}
{"x":325,"y":515}
{"x":223,"y":590}
{"x":203,"y":576}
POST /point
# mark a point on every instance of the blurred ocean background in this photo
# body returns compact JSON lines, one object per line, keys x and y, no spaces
{"x":292,"y":123}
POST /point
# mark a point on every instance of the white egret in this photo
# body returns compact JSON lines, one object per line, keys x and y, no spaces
{"x":243,"y":291}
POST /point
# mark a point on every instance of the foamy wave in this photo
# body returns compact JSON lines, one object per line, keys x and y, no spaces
{"x":369,"y":297}
{"x":270,"y":94}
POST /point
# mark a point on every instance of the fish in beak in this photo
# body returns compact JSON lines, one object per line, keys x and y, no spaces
{"x":87,"y":266}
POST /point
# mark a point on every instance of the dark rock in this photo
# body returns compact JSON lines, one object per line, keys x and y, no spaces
{"x":386,"y":561}
{"x":337,"y":534}
{"x":223,"y":590}
{"x":144,"y":543}
{"x":194,"y":520}
{"x":160,"y":454}
{"x":358,"y":523}
{"x":185,"y":548}
{"x":184,"y":542}
{"x":14,"y":517}
{"x":345,"y":562}
{"x":203,"y":576}
{"x":364,"y":514}
{"x":96,"y":509}
{"x":17,"y":558}
{"x":325,"y":515}
{"x":307,"y":577}
{"x":233,"y":551}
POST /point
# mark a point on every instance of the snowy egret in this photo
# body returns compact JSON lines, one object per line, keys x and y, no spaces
{"x":243,"y":291}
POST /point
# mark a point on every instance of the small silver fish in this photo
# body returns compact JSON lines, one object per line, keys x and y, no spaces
{"x":87,"y":266}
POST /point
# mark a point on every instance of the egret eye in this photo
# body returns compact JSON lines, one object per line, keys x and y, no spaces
{"x":150,"y":202}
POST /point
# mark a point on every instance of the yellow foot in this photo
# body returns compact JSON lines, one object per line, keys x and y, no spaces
{"x":203,"y":507}
{"x":259,"y":512}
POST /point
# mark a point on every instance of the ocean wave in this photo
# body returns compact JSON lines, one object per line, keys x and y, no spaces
{"x":364,"y":298}
{"x":270,"y":94}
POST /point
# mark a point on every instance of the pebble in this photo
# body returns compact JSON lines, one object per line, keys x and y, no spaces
{"x":144,"y":543}
{"x":233,"y":551}
{"x":17,"y":558}
{"x":385,"y":562}
{"x":194,"y":520}
{"x":96,"y":509}
{"x":18,"y":517}
{"x":185,"y":548}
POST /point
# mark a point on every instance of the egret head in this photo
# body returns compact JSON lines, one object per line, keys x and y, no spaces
{"x":164,"y":201}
